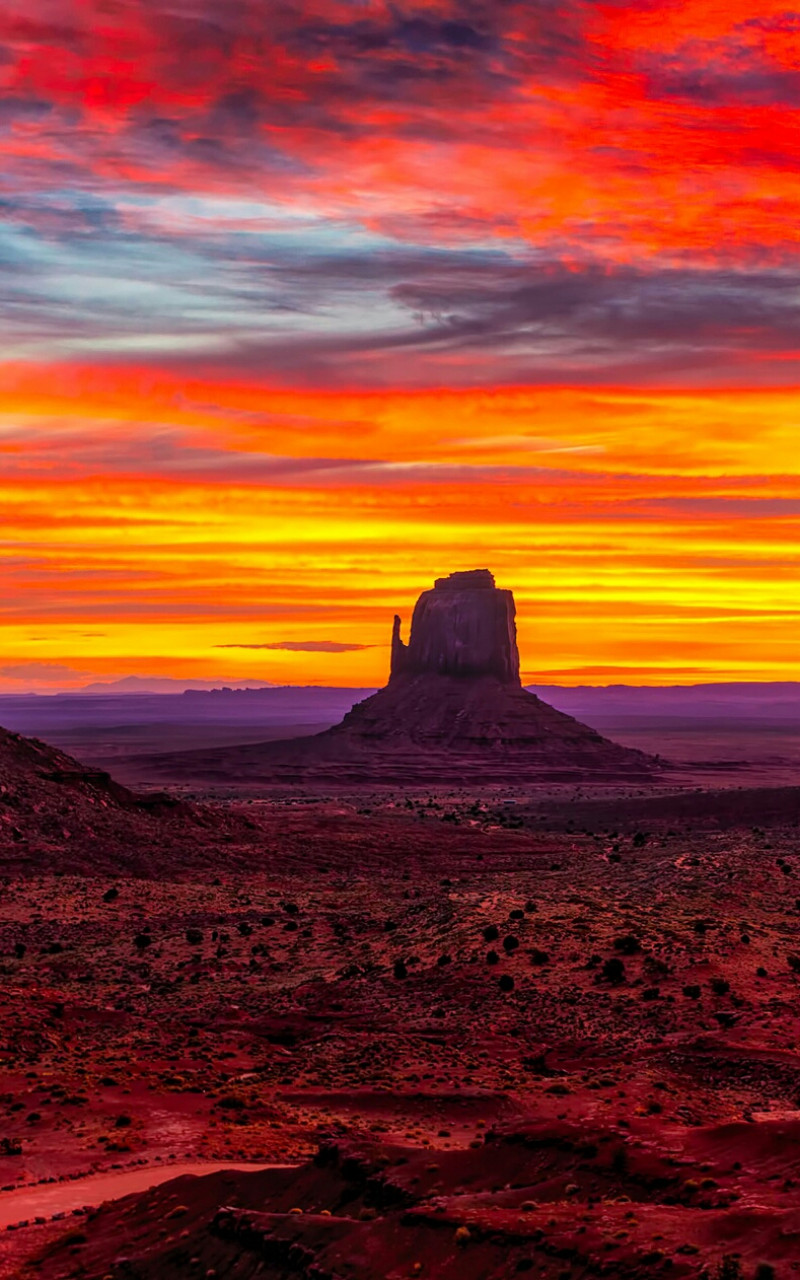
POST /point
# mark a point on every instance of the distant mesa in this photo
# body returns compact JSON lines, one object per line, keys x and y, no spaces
{"x":454,"y":711}
{"x":164,"y":685}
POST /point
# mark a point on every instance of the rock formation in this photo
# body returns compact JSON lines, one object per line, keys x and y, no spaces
{"x":463,"y":627}
{"x":454,"y":711}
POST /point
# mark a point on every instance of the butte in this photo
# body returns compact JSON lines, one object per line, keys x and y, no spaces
{"x":454,"y":711}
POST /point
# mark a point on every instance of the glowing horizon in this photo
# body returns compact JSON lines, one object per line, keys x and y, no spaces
{"x":310,"y":304}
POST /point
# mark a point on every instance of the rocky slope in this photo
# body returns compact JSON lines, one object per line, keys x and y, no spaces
{"x":57,"y":814}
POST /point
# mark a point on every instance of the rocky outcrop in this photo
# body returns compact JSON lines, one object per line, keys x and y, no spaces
{"x":454,"y":711}
{"x":57,"y":814}
{"x":464,"y":627}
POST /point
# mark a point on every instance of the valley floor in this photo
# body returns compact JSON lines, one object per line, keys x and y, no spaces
{"x":559,"y":1036}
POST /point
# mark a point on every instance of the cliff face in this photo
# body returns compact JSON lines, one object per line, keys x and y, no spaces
{"x":463,"y":627}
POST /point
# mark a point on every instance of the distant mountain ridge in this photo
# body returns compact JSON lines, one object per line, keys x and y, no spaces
{"x":728,"y":700}
{"x":166,"y":684}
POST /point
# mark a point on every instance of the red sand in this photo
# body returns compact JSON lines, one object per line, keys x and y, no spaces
{"x":626,"y":1108}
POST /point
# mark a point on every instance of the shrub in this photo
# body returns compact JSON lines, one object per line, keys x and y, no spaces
{"x":231,"y":1102}
{"x":614,"y":970}
{"x":628,"y":944}
{"x":729,"y":1269}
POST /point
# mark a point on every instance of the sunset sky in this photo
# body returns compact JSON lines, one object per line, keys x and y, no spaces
{"x":305,"y":304}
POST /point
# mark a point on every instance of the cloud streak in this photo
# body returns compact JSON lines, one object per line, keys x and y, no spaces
{"x":303,"y":646}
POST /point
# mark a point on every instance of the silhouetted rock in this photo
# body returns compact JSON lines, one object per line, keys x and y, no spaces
{"x":463,"y":627}
{"x":454,"y":711}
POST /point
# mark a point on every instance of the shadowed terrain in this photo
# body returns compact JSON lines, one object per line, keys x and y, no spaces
{"x":494,"y":1036}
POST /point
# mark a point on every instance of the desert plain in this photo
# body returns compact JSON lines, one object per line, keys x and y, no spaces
{"x":549,"y":1030}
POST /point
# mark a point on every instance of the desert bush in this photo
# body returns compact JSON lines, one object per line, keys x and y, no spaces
{"x":729,"y":1268}
{"x":614,"y":970}
{"x":627,"y":945}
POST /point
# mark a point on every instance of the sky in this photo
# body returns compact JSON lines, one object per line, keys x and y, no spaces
{"x":306,"y":304}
